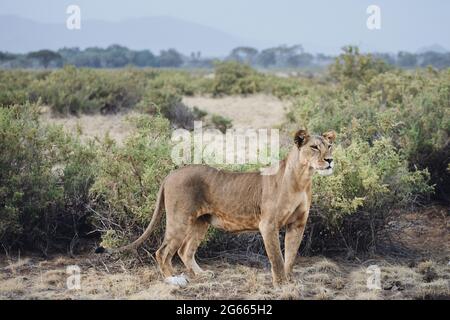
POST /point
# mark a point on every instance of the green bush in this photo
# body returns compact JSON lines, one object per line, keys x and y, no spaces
{"x":394,"y":131}
{"x":411,"y":108}
{"x":54,"y":190}
{"x":221,"y":123}
{"x":168,"y":102}
{"x":182,"y":82}
{"x":73,"y":91}
{"x":370,"y":178}
{"x":15,"y":86}
{"x":235,"y":78}
{"x":287,"y":88}
{"x":128,"y":179}
{"x":351,"y":68}
{"x":198,"y":113}
{"x":45,"y":176}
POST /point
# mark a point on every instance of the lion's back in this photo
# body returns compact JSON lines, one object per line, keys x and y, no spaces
{"x":219,"y":189}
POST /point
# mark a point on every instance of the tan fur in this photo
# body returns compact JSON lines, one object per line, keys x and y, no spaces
{"x":197,"y":196}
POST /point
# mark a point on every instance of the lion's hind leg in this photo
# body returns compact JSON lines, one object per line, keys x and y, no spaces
{"x":175,"y":234}
{"x":197,"y":232}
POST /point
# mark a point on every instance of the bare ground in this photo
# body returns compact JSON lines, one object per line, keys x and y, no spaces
{"x":255,"y":111}
{"x":117,"y":126}
{"x":423,"y":274}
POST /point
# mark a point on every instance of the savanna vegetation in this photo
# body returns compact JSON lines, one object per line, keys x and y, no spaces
{"x":56,"y":190}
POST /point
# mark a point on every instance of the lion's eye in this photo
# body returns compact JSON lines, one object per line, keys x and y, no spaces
{"x":315,"y":148}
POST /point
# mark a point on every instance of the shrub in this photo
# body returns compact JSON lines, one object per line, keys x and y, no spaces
{"x":159,"y":100}
{"x":351,"y":68}
{"x":167,"y":101}
{"x":128,"y":179}
{"x":235,"y":78}
{"x":73,"y":91}
{"x":198,"y":113}
{"x":44,"y":178}
{"x":372,"y":177}
{"x":182,"y":82}
{"x":410,"y":108}
{"x":221,"y":122}
{"x":286,"y":87}
{"x":15,"y":86}
{"x":394,"y":129}
{"x":180,"y":116}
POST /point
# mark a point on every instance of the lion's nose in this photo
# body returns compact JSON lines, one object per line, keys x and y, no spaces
{"x":329,"y":160}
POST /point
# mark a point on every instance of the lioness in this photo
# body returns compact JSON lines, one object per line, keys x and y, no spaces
{"x":197,"y":196}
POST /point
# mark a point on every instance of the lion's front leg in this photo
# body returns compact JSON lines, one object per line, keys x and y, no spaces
{"x":292,"y":241}
{"x":271,"y":239}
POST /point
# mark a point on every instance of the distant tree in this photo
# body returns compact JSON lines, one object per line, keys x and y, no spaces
{"x":69,"y":52}
{"x":117,"y":56}
{"x":406,"y":59}
{"x":5,"y":56}
{"x":243,"y":54}
{"x":323,"y":59}
{"x":45,"y":57}
{"x":435,"y":59}
{"x":170,"y":58}
{"x":285,"y":53}
{"x":144,"y":58}
{"x":195,"y":56}
{"x":87,"y":60}
{"x":267,"y":58}
{"x":386,"y":57}
{"x":281,"y":56}
{"x":300,"y":60}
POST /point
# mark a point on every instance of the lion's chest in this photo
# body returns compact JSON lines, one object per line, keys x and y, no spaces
{"x":295,"y":208}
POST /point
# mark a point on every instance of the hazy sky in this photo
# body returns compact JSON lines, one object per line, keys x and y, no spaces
{"x":405,"y":24}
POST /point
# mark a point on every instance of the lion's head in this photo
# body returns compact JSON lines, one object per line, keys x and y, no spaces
{"x":316,"y":151}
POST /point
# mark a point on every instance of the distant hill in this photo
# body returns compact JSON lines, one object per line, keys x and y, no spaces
{"x":155,"y":33}
{"x":433,"y":48}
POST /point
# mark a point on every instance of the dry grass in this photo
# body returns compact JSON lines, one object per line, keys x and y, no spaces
{"x":426,"y":276}
{"x":439,"y":289}
{"x":11,"y":287}
{"x":314,"y":278}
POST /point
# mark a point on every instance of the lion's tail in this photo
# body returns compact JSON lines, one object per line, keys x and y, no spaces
{"x":155,"y":219}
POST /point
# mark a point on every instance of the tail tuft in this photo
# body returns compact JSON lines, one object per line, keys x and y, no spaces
{"x":100,"y":250}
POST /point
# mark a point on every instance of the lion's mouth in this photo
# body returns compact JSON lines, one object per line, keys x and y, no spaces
{"x":325,"y":172}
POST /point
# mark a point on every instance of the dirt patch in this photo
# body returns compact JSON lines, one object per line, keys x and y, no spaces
{"x":255,"y":111}
{"x":117,"y":126}
{"x":426,"y":231}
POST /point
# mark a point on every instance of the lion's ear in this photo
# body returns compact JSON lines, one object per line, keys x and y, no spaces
{"x":300,"y":137}
{"x":330,"y":136}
